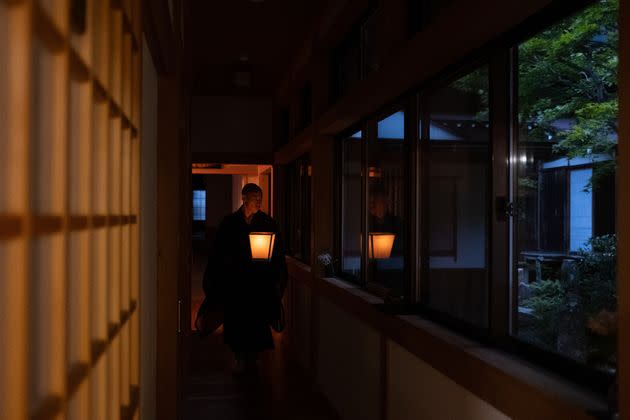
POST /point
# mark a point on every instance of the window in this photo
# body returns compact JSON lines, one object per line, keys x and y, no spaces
{"x":352,"y":206}
{"x":457,"y":170}
{"x":513,"y":169}
{"x":564,"y":188}
{"x":199,"y":205}
{"x":299,"y":209}
{"x":386,"y":204}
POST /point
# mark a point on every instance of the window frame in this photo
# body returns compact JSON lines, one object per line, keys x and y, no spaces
{"x":400,"y":105}
{"x":501,"y":60}
{"x":466,"y":67}
{"x":295,"y":215}
{"x":338,"y":211}
{"x":573,"y":370}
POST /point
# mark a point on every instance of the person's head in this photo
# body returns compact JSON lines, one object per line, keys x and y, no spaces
{"x":378,"y":201}
{"x":252,"y":198}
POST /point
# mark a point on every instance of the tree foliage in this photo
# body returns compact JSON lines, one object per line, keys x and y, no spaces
{"x":568,"y":83}
{"x":596,"y":286}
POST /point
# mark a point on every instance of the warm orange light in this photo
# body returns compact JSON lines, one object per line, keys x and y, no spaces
{"x":375,"y":172}
{"x":380,"y":245}
{"x":261,"y":244}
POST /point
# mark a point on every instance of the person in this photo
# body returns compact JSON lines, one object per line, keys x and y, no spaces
{"x":388,"y":272}
{"x":381,"y":219}
{"x":250,"y":292}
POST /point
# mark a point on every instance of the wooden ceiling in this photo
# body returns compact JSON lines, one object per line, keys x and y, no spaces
{"x":245,"y":47}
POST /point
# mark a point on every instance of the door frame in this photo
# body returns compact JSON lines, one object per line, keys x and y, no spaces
{"x":162,"y":31}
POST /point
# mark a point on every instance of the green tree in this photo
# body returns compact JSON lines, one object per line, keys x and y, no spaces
{"x":569,"y":73}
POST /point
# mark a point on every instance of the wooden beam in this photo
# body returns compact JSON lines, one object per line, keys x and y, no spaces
{"x":168,"y":243}
{"x":256,"y":158}
{"x":158,"y":31}
{"x":228,"y":170}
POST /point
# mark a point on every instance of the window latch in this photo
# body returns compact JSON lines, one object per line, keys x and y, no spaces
{"x":503,"y":209}
{"x":510,"y":209}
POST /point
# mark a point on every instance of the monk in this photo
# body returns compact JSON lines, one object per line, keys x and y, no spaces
{"x":249,"y":291}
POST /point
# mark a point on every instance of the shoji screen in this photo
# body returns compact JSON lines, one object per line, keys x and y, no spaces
{"x":69,"y":243}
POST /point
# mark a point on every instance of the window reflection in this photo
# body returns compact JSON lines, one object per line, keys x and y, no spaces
{"x":298,"y":210}
{"x":386,"y":201}
{"x":457,"y":194}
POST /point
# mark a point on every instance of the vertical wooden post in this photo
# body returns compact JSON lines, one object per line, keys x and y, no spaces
{"x":322,"y":223}
{"x":168,"y":216}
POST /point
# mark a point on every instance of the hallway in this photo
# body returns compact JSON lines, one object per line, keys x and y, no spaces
{"x":281,"y":391}
{"x":434,"y":189}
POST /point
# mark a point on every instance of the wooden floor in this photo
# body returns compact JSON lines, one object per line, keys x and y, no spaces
{"x":279,"y":392}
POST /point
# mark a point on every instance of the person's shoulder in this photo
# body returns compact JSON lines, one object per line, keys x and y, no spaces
{"x":266,"y":219}
{"x":230,"y":218}
{"x":262,"y":215}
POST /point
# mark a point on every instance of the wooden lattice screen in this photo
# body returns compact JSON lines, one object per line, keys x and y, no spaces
{"x":69,"y":187}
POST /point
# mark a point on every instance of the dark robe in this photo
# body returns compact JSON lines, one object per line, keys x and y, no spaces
{"x":249,"y":291}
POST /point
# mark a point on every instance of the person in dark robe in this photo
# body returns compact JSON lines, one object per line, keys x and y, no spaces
{"x":249,"y":291}
{"x":381,"y":219}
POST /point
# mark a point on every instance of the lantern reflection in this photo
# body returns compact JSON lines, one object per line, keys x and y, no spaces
{"x":380,"y":245}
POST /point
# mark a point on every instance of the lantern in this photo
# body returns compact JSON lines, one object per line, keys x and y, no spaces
{"x":261,"y":244}
{"x":380,"y":245}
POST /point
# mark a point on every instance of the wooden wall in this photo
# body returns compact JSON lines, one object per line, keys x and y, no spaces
{"x":69,"y":209}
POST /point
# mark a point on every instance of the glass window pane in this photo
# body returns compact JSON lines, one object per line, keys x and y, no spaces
{"x":298,"y":209}
{"x":386,"y":203}
{"x":457,"y":193}
{"x":199,"y":205}
{"x":351,"y":207}
{"x":565,"y":165}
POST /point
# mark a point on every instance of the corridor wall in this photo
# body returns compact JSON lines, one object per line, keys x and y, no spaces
{"x":69,"y":209}
{"x":148,"y":242}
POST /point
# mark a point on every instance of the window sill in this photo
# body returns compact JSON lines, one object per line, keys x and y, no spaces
{"x":298,"y":268}
{"x":511,"y":384}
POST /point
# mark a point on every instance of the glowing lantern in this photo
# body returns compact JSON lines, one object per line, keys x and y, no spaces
{"x":380,"y":245}
{"x":261,"y":244}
